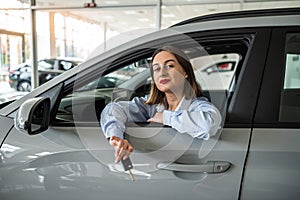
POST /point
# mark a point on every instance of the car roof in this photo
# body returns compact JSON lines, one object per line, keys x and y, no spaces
{"x":19,"y":66}
{"x":241,"y":14}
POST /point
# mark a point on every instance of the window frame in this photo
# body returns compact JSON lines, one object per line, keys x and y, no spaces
{"x":238,"y":114}
{"x":268,"y":108}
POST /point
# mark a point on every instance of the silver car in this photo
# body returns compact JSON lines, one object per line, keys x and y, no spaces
{"x":248,"y":65}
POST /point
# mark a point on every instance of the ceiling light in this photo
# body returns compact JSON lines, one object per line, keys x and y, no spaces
{"x":111,"y":2}
{"x":168,"y":15}
{"x":143,"y":19}
{"x":130,"y":12}
{"x":107,"y":17}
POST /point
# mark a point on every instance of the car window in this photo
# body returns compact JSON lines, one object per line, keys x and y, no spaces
{"x":290,"y":93}
{"x":119,"y":76}
{"x":216,"y":71}
{"x":46,"y":64}
{"x":65,"y":65}
{"x":25,"y":68}
{"x":93,"y":96}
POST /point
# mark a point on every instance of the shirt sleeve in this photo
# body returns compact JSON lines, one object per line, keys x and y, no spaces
{"x":116,"y":114}
{"x":202,"y":119}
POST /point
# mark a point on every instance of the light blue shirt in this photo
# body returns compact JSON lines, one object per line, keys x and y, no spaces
{"x":197,"y":117}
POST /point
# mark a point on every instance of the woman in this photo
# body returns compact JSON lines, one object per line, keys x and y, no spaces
{"x":175,"y":100}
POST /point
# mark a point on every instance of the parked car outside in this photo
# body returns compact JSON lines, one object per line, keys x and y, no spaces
{"x":52,"y":145}
{"x":20,"y":76}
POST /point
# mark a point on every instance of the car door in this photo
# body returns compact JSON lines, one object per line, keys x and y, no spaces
{"x":73,"y":160}
{"x":272,"y":170}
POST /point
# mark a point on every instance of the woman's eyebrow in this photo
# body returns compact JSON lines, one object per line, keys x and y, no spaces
{"x":170,"y":60}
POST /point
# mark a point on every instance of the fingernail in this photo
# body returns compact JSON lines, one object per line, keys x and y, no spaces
{"x":117,"y":159}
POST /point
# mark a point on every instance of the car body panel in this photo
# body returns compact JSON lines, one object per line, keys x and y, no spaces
{"x":272,"y":169}
{"x":6,"y":124}
{"x":79,"y":161}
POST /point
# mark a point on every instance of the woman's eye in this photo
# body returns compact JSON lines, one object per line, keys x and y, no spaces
{"x":169,"y":66}
{"x":156,"y":69}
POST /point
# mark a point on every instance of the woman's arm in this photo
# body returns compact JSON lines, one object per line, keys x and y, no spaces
{"x":116,"y":114}
{"x":113,"y":119}
{"x":202,"y":119}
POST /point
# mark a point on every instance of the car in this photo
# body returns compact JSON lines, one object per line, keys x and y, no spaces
{"x":247,"y":64}
{"x":20,"y":76}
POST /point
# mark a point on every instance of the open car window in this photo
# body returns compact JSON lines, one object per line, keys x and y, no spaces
{"x":85,"y":103}
{"x":216,"y":71}
{"x":124,"y":75}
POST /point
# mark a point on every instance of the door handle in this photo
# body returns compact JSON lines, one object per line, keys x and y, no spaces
{"x":209,"y":167}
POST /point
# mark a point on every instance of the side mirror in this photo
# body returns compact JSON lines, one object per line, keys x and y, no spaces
{"x":33,"y":116}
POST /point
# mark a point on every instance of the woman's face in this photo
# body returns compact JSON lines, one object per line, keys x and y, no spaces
{"x":168,"y":74}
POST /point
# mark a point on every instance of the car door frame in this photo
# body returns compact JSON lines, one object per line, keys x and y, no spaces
{"x":272,"y":166}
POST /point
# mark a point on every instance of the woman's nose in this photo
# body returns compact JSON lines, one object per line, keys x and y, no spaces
{"x":163,"y":71}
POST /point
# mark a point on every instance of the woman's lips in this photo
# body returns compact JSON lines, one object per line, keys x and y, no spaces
{"x":164,"y":81}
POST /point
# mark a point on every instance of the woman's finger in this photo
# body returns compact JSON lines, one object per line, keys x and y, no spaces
{"x":122,"y":148}
{"x":158,"y":118}
{"x":114,"y":141}
{"x":128,"y":151}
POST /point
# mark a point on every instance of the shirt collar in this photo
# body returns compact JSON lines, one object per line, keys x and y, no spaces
{"x":183,"y":105}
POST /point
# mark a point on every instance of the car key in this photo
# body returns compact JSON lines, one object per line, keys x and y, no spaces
{"x":127,"y":164}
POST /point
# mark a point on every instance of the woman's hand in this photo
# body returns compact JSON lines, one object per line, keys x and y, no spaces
{"x":122,"y":148}
{"x":158,"y":118}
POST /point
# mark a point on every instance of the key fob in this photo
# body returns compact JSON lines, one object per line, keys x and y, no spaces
{"x":127,"y":164}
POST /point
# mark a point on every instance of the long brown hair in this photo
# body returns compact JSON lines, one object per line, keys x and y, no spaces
{"x":192,"y":89}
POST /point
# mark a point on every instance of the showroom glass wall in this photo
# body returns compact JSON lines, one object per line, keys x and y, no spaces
{"x":69,"y":29}
{"x":13,"y":36}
